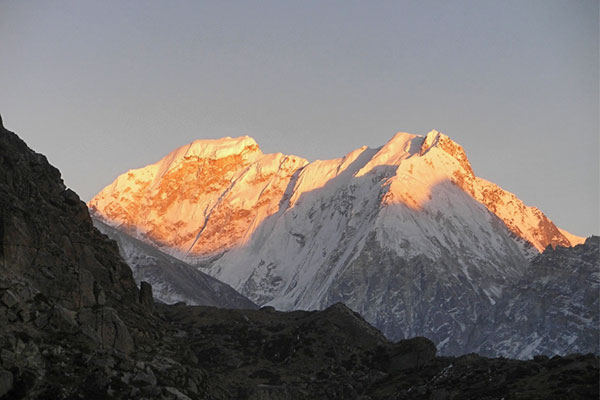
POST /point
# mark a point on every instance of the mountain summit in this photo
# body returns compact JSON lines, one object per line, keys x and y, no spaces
{"x":176,"y":202}
{"x":406,"y":234}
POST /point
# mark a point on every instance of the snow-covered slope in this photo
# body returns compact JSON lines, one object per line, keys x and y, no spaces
{"x":405,"y":234}
{"x":173,"y":280}
{"x":202,"y":199}
{"x":183,"y":201}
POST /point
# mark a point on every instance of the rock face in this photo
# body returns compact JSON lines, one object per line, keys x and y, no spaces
{"x":556,"y":302}
{"x":405,"y":234}
{"x":411,"y":354}
{"x":73,"y":324}
{"x":173,"y":280}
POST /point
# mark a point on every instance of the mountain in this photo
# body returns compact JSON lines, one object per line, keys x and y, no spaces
{"x":73,"y":324}
{"x":555,"y":303}
{"x":404,"y":234}
{"x":180,"y":201}
{"x":173,"y":280}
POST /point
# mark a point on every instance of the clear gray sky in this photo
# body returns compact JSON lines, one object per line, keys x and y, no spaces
{"x":105,"y":86}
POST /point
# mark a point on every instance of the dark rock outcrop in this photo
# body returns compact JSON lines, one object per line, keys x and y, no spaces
{"x":146,"y":299}
{"x":6,"y":381}
{"x":411,"y":353}
{"x":71,"y":320}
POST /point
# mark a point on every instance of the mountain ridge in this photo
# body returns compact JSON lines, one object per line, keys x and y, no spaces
{"x":73,"y":324}
{"x":400,"y":233}
{"x":245,"y":151}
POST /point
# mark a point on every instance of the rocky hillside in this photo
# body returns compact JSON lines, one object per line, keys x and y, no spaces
{"x":173,"y":280}
{"x":406,"y":234}
{"x":73,"y":324}
{"x":334,"y":354}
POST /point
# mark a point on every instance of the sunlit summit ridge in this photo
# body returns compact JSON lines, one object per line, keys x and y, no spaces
{"x":181,"y":201}
{"x":361,"y":229}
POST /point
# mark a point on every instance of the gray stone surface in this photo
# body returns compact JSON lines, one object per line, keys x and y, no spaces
{"x":6,"y":382}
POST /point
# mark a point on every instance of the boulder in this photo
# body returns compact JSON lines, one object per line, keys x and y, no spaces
{"x":63,"y":320}
{"x":9,"y":299}
{"x":146,"y":299}
{"x":112,"y":331}
{"x":411,"y":353}
{"x":6,"y":382}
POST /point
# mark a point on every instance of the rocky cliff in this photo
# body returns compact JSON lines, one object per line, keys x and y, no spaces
{"x":73,"y":324}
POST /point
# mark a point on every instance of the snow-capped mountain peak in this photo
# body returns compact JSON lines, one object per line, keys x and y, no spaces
{"x":231,"y":178}
{"x":399,"y":148}
{"x":383,"y":229}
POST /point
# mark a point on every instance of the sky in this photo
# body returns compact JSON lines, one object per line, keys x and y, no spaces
{"x":101,"y":87}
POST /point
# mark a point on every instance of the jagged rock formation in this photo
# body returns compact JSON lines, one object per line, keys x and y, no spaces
{"x":405,"y":234}
{"x":556,"y":302}
{"x":71,"y":321}
{"x":173,"y":280}
{"x":73,"y":324}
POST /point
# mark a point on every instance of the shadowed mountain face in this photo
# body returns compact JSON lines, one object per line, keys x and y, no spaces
{"x":404,"y":234}
{"x":556,"y":303}
{"x":73,"y":324}
{"x":173,"y":280}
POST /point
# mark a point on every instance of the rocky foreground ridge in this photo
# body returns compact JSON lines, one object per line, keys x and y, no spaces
{"x":73,"y":324}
